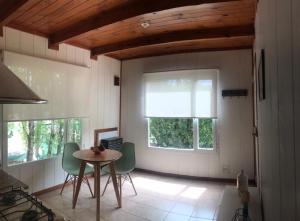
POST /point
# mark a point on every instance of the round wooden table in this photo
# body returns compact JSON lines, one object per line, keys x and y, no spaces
{"x":106,"y":157}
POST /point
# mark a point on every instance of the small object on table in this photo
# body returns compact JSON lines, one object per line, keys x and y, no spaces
{"x":98,"y":149}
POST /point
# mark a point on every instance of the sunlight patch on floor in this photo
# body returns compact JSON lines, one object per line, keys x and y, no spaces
{"x":158,"y":186}
{"x":193,"y":192}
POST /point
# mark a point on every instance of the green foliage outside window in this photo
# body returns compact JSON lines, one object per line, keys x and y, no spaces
{"x":177,"y":133}
{"x":36,"y":140}
{"x":205,"y":133}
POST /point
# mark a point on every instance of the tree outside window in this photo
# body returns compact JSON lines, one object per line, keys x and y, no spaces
{"x":181,"y":133}
{"x":175,"y":133}
{"x":41,"y":139}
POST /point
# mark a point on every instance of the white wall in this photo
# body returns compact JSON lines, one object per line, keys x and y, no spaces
{"x":103,"y":106}
{"x":234,"y":124}
{"x":278,"y":32}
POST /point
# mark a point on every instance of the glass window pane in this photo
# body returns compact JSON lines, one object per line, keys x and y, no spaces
{"x":34,"y":140}
{"x":74,"y":130}
{"x":206,"y":135}
{"x":17,"y":146}
{"x":171,"y":133}
{"x":56,"y":138}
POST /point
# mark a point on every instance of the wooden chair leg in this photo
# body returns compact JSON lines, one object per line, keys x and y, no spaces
{"x":115,"y":182}
{"x":88,"y":183}
{"x":95,"y":182}
{"x":120,"y":183}
{"x":125,"y":178}
{"x":80,"y":177}
{"x":132,"y":183}
{"x":66,"y":181}
{"x":108,"y":180}
{"x":74,"y":185}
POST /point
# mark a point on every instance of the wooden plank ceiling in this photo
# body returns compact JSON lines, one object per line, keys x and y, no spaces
{"x":114,"y":27}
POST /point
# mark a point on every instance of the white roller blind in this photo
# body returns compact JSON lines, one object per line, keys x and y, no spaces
{"x":65,"y":86}
{"x":187,"y":93}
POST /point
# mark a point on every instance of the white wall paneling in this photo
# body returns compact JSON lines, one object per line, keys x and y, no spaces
{"x":234,"y":123}
{"x":64,"y":86}
{"x":49,"y":174}
{"x":278,"y":31}
{"x":101,"y":106}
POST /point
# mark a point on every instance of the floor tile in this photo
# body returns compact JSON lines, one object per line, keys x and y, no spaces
{"x":199,"y":219}
{"x":120,"y":215}
{"x":149,"y":213}
{"x":176,"y":217}
{"x":164,"y":199}
{"x":183,"y":208}
{"x":206,"y":212}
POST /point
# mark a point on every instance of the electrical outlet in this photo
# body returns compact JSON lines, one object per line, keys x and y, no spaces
{"x":235,"y":171}
{"x":226,"y":169}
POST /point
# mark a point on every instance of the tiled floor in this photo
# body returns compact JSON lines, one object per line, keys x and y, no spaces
{"x":159,"y":199}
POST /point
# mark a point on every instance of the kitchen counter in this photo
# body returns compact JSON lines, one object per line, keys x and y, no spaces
{"x":7,"y":181}
{"x":231,"y":201}
{"x":25,"y":200}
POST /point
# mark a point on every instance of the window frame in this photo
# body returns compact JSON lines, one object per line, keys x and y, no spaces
{"x":66,"y":131}
{"x":196,"y":147}
{"x":5,"y":141}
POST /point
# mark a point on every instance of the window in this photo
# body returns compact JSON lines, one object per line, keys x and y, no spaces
{"x":41,"y":139}
{"x":74,"y":130}
{"x":175,"y":133}
{"x":181,"y":108}
{"x":181,"y":133}
{"x":206,"y":133}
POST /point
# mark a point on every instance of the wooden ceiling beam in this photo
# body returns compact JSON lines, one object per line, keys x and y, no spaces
{"x":223,"y":32}
{"x":132,"y":9}
{"x":154,"y":54}
{"x":8,"y":10}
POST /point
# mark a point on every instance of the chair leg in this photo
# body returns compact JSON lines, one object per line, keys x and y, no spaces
{"x":66,"y":181}
{"x":74,"y":185}
{"x":108,"y":180}
{"x":125,"y":178}
{"x":120,"y":183}
{"x":132,"y":183}
{"x":88,"y":183}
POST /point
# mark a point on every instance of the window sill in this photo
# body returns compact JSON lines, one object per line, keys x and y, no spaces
{"x":33,"y":162}
{"x":200,"y":150}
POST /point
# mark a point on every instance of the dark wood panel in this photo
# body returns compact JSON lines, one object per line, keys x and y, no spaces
{"x":28,"y":30}
{"x":223,"y":32}
{"x":186,"y":18}
{"x":194,"y":178}
{"x":8,"y":11}
{"x":131,"y":9}
{"x":52,"y":15}
{"x":219,"y":44}
{"x":113,"y":27}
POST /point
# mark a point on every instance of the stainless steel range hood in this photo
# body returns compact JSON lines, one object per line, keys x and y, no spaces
{"x":14,"y":91}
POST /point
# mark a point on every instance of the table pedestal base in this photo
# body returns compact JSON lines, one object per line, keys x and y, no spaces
{"x":97,"y":176}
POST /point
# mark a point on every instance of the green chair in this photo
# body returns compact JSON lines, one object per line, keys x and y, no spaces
{"x":71,"y":165}
{"x":124,"y":166}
